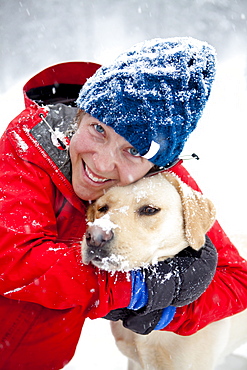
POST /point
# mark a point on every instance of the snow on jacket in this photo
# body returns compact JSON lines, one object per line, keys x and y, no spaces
{"x":45,"y":291}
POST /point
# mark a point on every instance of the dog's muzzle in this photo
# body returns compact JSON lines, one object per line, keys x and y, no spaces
{"x":97,"y":241}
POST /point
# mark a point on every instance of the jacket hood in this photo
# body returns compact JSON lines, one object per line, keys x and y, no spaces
{"x":58,"y":83}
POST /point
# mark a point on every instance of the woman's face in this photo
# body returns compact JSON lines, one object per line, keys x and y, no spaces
{"x":101,"y":159}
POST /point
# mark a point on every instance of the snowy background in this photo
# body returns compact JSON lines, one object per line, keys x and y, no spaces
{"x":36,"y":34}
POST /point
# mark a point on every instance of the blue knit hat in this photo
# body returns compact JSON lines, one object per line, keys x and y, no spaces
{"x":153,"y":94}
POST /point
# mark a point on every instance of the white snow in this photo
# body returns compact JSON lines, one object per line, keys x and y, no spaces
{"x":104,"y":223}
{"x":14,"y":290}
{"x":139,"y":194}
{"x":57,"y":134}
{"x":114,"y":259}
{"x":20,"y":142}
{"x":220,"y":142}
{"x":123,"y":210}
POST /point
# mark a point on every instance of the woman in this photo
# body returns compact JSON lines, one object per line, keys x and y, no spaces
{"x":133,"y":115}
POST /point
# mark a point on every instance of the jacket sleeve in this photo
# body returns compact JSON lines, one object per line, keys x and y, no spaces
{"x":227,"y":293}
{"x":37,"y":264}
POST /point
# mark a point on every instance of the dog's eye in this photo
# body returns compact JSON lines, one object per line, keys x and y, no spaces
{"x":103,"y":209}
{"x":148,"y":210}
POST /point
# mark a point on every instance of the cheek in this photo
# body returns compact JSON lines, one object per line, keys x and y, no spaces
{"x":142,"y":169}
{"x":130,"y":174}
{"x":74,"y":144}
{"x":79,"y":143}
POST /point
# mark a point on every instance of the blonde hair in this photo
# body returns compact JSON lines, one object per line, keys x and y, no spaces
{"x":79,"y":114}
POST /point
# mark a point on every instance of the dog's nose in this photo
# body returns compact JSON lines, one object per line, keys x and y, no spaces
{"x":96,"y":237}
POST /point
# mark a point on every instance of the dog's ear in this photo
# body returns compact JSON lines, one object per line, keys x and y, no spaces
{"x":91,"y":212}
{"x":198,"y":212}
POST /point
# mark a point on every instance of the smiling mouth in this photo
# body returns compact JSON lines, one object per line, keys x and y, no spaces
{"x":93,"y":177}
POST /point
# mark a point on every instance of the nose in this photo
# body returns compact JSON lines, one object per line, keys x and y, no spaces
{"x":105,"y":161}
{"x":96,"y":237}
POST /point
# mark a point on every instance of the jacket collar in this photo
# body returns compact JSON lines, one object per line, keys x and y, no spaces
{"x":53,"y":133}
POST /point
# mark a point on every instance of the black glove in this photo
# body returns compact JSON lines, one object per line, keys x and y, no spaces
{"x":182,"y":279}
{"x":141,"y":322}
{"x":176,"y":281}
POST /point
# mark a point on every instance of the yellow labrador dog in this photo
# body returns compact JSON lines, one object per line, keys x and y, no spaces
{"x":142,"y":223}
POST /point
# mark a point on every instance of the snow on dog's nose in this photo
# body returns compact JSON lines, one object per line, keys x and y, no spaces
{"x":97,"y":240}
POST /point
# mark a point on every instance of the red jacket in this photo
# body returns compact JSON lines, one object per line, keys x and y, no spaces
{"x":45,"y":291}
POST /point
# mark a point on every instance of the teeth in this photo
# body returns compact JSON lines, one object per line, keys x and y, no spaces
{"x":93,"y":178}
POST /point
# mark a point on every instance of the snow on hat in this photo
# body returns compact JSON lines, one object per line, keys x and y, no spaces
{"x":153,"y":94}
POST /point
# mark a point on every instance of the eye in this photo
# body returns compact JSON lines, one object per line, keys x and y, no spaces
{"x":99,"y":128}
{"x":103,"y":209}
{"x":148,"y":210}
{"x":133,"y":151}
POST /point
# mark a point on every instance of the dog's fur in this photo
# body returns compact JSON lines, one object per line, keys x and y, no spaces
{"x":139,"y":224}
